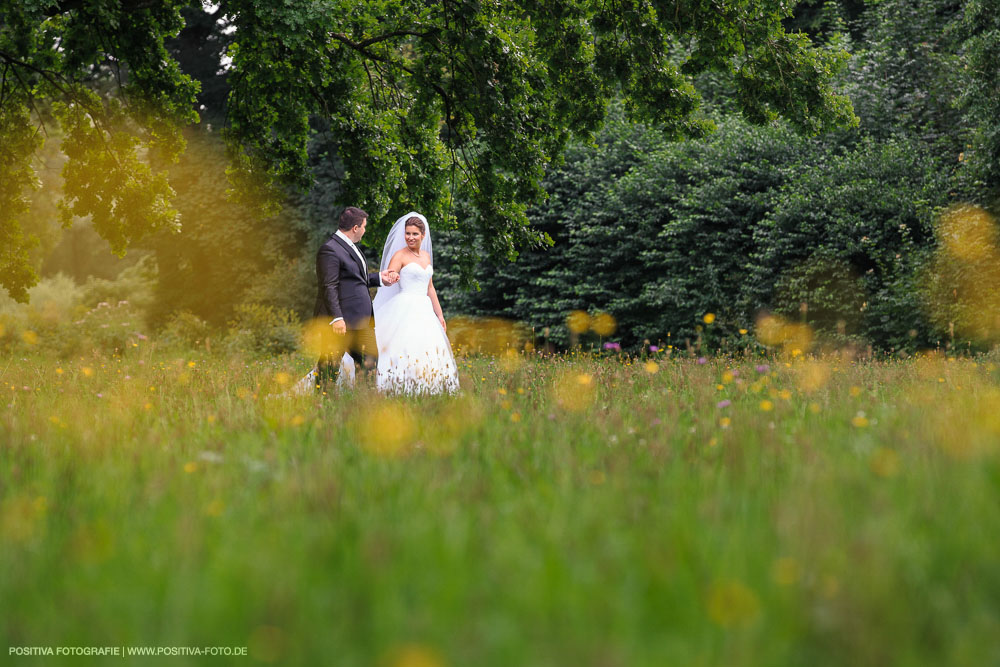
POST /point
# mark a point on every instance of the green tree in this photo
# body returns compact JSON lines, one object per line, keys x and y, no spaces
{"x":981,"y":27}
{"x":58,"y":60}
{"x":424,"y":99}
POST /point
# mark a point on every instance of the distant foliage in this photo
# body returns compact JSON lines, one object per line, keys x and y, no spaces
{"x":185,"y":329}
{"x":747,"y":221}
{"x":263,"y":329}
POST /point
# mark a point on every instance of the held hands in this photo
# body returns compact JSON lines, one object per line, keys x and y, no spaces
{"x":389,"y":277}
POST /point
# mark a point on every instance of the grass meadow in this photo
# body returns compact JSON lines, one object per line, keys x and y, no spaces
{"x":566,"y":510}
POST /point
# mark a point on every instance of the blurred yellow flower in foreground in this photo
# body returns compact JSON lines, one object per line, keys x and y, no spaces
{"x":859,"y":420}
{"x":651,"y":367}
{"x":968,"y":233}
{"x":386,"y":429}
{"x":959,"y":283}
{"x":603,"y":324}
{"x":775,"y":331}
{"x":413,"y":655}
{"x":578,"y":321}
{"x":574,"y":391}
{"x":731,"y":603}
{"x":786,"y":571}
{"x":709,"y":318}
{"x":87,"y":371}
{"x":442,"y":431}
{"x":29,"y":337}
{"x":20,"y":516}
{"x":319,"y":339}
{"x":215,"y":508}
{"x":812,"y":376}
{"x":766,"y":405}
{"x":885,"y":462}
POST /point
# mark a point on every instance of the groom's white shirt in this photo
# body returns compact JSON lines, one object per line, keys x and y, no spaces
{"x":360,"y":256}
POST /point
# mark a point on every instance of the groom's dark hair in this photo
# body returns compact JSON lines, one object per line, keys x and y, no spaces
{"x":351,"y":218}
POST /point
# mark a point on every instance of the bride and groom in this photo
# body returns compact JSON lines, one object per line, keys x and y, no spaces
{"x":400,"y":336}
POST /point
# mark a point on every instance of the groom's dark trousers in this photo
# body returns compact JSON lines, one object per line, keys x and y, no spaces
{"x":343,"y":282}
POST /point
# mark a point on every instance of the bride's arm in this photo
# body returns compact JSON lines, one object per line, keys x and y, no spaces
{"x":396,"y":263}
{"x":432,"y":293}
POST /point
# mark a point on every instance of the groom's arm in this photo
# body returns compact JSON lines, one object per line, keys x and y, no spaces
{"x":375,"y":279}
{"x":328,"y":275}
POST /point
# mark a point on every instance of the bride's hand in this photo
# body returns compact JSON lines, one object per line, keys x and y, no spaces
{"x":443,"y":324}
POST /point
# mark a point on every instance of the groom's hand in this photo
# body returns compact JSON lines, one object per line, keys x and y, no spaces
{"x":339,"y":327}
{"x":389,"y":277}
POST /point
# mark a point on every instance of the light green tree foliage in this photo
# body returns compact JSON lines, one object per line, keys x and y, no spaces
{"x":424,"y":99}
{"x":99,"y":70}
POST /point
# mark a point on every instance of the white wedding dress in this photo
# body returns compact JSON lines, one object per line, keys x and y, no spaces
{"x":414,"y":354}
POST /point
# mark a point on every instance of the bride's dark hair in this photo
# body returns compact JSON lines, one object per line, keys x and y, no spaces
{"x":416,"y":222}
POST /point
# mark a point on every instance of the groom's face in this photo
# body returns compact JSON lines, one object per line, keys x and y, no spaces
{"x":359,"y":231}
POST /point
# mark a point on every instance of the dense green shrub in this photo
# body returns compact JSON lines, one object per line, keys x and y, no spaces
{"x":185,"y":329}
{"x":263,"y":329}
{"x":134,"y":284}
{"x":747,"y":221}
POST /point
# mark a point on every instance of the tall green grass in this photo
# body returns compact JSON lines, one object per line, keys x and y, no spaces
{"x":559,"y":511}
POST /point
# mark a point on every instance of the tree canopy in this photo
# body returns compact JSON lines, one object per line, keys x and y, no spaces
{"x":422,"y":100}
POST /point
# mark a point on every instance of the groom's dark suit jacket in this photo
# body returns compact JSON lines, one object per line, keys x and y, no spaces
{"x":343,"y":285}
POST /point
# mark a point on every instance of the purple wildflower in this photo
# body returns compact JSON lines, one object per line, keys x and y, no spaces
{"x":725,"y":403}
{"x":763,"y":368}
{"x":702,"y":361}
{"x":612,"y":346}
{"x":654,"y":348}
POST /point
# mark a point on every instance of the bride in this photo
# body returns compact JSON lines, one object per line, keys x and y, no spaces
{"x":414,"y":354}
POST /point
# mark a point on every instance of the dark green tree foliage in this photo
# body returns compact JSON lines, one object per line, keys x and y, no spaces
{"x":981,"y":26}
{"x":907,"y":76}
{"x":746,"y":221}
{"x":847,"y":235}
{"x":540,"y":287}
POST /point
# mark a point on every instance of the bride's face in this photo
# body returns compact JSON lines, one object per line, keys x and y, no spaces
{"x":413,"y":237}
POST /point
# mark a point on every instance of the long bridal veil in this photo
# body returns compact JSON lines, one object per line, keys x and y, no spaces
{"x":394,"y":242}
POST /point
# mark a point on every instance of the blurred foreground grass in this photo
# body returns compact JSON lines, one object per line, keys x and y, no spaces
{"x":561,"y":511}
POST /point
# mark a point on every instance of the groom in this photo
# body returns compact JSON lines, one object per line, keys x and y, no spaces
{"x":342,"y":295}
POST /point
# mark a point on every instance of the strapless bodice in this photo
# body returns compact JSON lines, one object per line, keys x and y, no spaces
{"x":413,"y":278}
